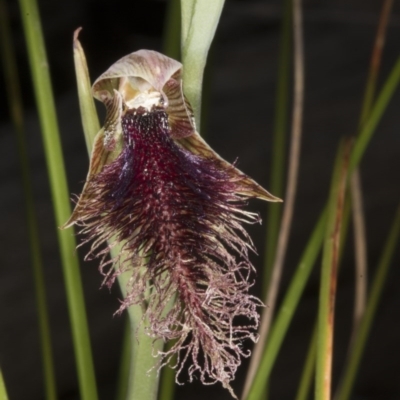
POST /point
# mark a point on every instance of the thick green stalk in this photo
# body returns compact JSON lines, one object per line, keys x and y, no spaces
{"x":330,"y":261}
{"x":143,"y":376}
{"x":125,"y":362}
{"x":167,"y":380}
{"x":375,"y":293}
{"x":15,"y":102}
{"x":60,"y":196}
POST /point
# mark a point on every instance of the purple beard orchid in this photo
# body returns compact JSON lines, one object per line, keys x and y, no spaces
{"x":176,"y":209}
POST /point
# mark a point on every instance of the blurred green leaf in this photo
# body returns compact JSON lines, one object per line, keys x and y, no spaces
{"x":14,"y":96}
{"x":60,"y":195}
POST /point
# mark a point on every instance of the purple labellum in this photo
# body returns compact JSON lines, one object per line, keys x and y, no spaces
{"x":176,"y":208}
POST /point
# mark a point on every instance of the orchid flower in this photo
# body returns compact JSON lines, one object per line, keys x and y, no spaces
{"x":176,"y":208}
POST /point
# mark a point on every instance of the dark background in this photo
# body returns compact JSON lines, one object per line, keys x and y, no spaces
{"x":338,"y":41}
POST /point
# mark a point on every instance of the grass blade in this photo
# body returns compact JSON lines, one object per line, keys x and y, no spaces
{"x":358,"y":213}
{"x":330,"y":261}
{"x":308,"y":374}
{"x":361,"y":268}
{"x":376,"y":58}
{"x":375,"y":116}
{"x":60,"y":196}
{"x":360,"y":339}
{"x":286,"y":310}
{"x":296,"y":287}
{"x":359,"y":224}
{"x":15,"y":101}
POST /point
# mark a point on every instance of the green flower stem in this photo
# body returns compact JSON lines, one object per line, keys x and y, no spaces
{"x":144,"y":386}
{"x":375,"y":293}
{"x":14,"y":95}
{"x":291,"y":299}
{"x":60,"y":196}
{"x":143,"y":377}
{"x":276,"y":184}
{"x":199,"y":22}
{"x":330,"y":261}
{"x":167,"y":380}
{"x":124,"y":368}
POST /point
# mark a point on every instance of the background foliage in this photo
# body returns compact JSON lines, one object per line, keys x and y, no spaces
{"x":338,"y":42}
